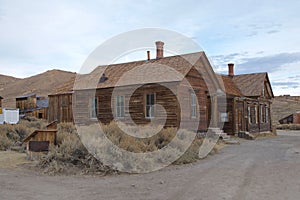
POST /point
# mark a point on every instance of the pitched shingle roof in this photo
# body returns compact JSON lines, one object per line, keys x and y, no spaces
{"x":167,"y":69}
{"x":137,"y":72}
{"x":25,"y":96}
{"x":66,"y":88}
{"x":230,"y":87}
{"x":44,"y":103}
{"x":250,"y":84}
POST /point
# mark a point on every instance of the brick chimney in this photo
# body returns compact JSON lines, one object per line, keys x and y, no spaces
{"x":230,"y":69}
{"x":148,"y":55}
{"x":159,"y":49}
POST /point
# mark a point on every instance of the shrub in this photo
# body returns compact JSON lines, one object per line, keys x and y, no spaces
{"x":5,"y":142}
{"x":15,"y":134}
{"x":71,"y":157}
{"x":288,"y":127}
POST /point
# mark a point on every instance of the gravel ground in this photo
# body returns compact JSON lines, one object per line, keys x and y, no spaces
{"x":266,"y":168}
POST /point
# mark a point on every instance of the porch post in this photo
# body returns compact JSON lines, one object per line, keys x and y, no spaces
{"x":214,"y":112}
{"x":215,"y":107}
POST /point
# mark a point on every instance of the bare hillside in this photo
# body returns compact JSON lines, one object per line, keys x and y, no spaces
{"x":41,"y":84}
{"x":6,"y":80}
{"x":284,"y":106}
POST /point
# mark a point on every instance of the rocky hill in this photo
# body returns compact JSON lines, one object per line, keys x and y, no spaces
{"x":6,"y":80}
{"x":285,"y":105}
{"x":41,"y":84}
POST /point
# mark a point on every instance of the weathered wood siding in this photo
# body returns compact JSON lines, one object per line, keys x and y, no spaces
{"x":259,"y":122}
{"x":26,"y":102}
{"x":134,"y":104}
{"x":165,"y":95}
{"x":38,"y":113}
{"x":200,"y":88}
{"x":39,"y":137}
{"x":225,"y":105}
{"x":60,"y":108}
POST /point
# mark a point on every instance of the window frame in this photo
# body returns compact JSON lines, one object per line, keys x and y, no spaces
{"x":120,"y":109}
{"x":256,"y":114}
{"x":267,"y":113}
{"x":151,"y":106}
{"x":193,"y":105}
{"x":249,"y":114}
{"x":94,"y":104}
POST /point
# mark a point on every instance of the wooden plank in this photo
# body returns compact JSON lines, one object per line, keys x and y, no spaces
{"x":38,"y":146}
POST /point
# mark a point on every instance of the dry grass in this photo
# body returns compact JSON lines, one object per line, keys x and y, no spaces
{"x":11,"y":159}
{"x":288,"y":127}
{"x":71,"y":157}
{"x":11,"y":135}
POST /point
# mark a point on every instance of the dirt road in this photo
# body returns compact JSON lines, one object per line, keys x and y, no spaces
{"x":261,"y":169}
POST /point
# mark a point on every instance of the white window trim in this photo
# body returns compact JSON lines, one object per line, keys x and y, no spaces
{"x":193,"y":105}
{"x":151,"y":106}
{"x":93,"y":106}
{"x":249,"y":114}
{"x":267,"y":113}
{"x":117,"y":107}
{"x":224,"y":117}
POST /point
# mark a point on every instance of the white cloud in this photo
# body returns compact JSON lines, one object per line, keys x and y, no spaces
{"x":39,"y":35}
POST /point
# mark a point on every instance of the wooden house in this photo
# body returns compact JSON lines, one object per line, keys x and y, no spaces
{"x":249,"y":98}
{"x":291,"y":119}
{"x":188,"y":90}
{"x":60,"y":103}
{"x":160,"y":87}
{"x":32,"y":105}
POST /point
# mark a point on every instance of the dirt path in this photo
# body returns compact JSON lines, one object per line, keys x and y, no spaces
{"x":260,"y":169}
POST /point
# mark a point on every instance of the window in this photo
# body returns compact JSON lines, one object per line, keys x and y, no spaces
{"x":150,"y":101}
{"x":261,"y":114}
{"x":94,"y":107}
{"x":256,"y":114}
{"x":249,"y":114}
{"x":120,"y":107}
{"x":40,"y":115}
{"x":267,"y":114}
{"x":193,"y":105}
{"x":224,"y":117}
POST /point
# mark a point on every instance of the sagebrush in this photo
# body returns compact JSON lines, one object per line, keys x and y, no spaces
{"x":14,"y":134}
{"x":70,"y":155}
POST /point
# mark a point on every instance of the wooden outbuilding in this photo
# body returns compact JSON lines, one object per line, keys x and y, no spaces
{"x":60,"y":103}
{"x":39,"y":142}
{"x":291,"y":119}
{"x":32,"y":105}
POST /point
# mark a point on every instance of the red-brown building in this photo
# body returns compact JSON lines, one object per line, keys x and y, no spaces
{"x":291,"y":119}
{"x":249,"y":98}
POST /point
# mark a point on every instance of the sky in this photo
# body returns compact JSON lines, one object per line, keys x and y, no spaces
{"x":258,"y":36}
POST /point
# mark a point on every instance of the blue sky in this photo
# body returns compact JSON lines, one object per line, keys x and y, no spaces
{"x":257,"y":36}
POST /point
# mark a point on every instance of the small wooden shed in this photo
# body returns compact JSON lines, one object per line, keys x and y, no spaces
{"x":39,"y":142}
{"x":291,"y":119}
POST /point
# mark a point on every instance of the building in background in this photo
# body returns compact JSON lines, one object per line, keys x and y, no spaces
{"x":291,"y":119}
{"x":32,"y":105}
